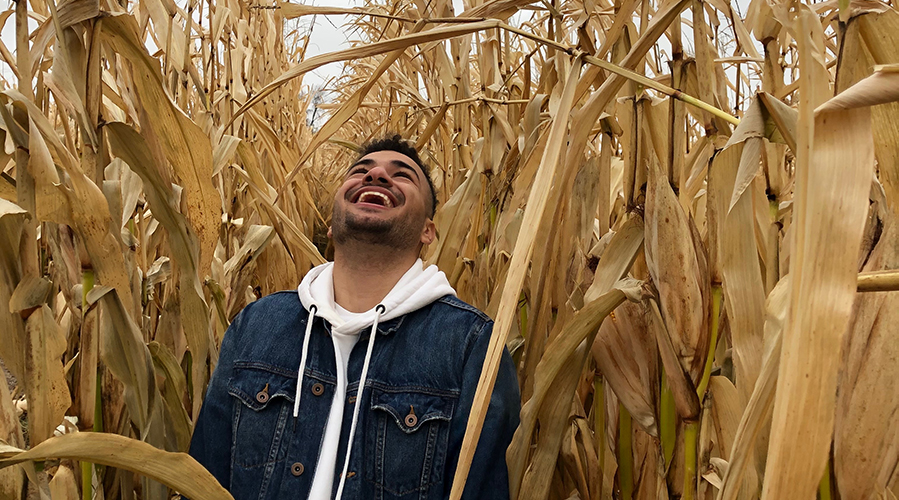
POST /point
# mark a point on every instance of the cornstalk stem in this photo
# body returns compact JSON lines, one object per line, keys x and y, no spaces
{"x":713,"y":344}
{"x":824,"y":487}
{"x":87,"y":468}
{"x":625,"y":454}
{"x":667,"y":421}
{"x":878,"y":281}
{"x":691,"y":433}
{"x":599,"y":418}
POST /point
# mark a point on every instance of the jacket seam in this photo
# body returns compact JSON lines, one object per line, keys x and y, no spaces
{"x":457,"y":303}
{"x":277,"y":370}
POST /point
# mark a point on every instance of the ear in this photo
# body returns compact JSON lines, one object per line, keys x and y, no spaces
{"x":429,"y":233}
{"x":329,"y":233}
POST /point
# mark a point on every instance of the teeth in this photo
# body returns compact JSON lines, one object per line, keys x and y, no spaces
{"x":382,"y":196}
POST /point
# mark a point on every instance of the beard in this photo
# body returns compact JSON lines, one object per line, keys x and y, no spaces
{"x":396,"y":234}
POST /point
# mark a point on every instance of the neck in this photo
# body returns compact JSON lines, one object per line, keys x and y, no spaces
{"x":364,"y":276}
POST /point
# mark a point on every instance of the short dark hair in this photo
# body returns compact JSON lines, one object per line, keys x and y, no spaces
{"x":396,"y":143}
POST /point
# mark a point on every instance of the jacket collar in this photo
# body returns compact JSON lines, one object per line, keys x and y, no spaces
{"x":385,"y":328}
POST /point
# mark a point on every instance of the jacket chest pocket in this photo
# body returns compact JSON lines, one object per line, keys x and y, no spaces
{"x":406,"y":442}
{"x":263,"y":403}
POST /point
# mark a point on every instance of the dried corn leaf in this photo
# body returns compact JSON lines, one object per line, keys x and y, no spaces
{"x":126,"y":355}
{"x":178,"y":427}
{"x":75,"y":11}
{"x":758,"y":410}
{"x":63,"y":485}
{"x":617,"y":258}
{"x":223,"y":153}
{"x":453,"y":219}
{"x":441,"y":33}
{"x":45,"y":383}
{"x":783,"y":116}
{"x":880,"y":88}
{"x":186,"y":147}
{"x":727,"y":408}
{"x":131,"y":147}
{"x":292,"y":10}
{"x":521,"y":255}
{"x":30,"y":293}
{"x":553,"y":415}
{"x":12,"y":349}
{"x":90,"y":214}
{"x":744,"y":290}
{"x":686,"y":400}
{"x":624,"y":348}
{"x":176,"y":470}
{"x":866,"y":435}
{"x":348,"y":108}
{"x":833,"y":145}
{"x":256,"y":240}
{"x":879,"y":31}
{"x":555,"y":363}
{"x":12,"y":480}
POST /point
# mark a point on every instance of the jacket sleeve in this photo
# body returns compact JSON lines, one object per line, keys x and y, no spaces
{"x":211,"y":443}
{"x":488,"y":476}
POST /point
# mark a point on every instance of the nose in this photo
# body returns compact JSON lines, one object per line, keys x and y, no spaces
{"x":377,"y":175}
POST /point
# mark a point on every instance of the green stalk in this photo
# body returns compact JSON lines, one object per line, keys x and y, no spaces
{"x":625,"y":454}
{"x":98,"y":408}
{"x":523,"y":317}
{"x":691,"y":433}
{"x":824,"y":487}
{"x":713,"y":344}
{"x":667,"y":421}
{"x":87,"y":476}
{"x":691,"y":430}
{"x":86,"y":481}
{"x":599,"y":418}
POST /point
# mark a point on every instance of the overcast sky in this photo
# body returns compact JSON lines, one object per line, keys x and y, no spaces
{"x":329,"y":35}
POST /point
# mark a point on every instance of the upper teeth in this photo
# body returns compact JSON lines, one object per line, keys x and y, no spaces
{"x":387,"y":202}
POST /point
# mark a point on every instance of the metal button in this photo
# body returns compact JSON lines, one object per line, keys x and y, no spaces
{"x":411,"y":419}
{"x":297,"y":469}
{"x":262,"y":396}
{"x":318,"y":389}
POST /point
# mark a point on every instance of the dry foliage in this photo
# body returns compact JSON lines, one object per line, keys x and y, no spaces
{"x":665,"y":205}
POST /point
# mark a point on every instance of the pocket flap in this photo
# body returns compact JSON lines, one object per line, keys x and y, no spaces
{"x":410,"y":410}
{"x":256,"y":387}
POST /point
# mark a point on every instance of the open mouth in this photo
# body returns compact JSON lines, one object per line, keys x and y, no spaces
{"x":373,"y":197}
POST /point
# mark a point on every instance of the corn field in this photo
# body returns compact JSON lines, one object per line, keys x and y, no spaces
{"x":683,"y":217}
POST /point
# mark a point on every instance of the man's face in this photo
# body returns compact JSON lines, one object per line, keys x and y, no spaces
{"x":383,"y":200}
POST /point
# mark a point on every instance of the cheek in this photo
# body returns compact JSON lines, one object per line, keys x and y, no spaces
{"x":341,"y":193}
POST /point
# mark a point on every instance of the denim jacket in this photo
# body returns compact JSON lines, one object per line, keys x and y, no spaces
{"x":416,"y":402}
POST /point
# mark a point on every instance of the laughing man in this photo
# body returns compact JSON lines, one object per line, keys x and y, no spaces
{"x":283,"y":417}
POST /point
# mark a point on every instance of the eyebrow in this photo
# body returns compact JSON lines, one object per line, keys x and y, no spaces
{"x":395,"y":163}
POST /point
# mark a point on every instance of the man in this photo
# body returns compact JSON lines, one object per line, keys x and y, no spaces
{"x":283,"y":417}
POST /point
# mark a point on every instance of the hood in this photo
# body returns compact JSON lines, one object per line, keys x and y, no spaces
{"x":414,"y":290}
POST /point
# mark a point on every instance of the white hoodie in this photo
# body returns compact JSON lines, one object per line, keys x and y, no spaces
{"x":414,"y":290}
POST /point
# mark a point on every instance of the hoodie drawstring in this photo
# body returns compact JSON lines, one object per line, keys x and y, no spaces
{"x":379,"y":309}
{"x":296,"y":402}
